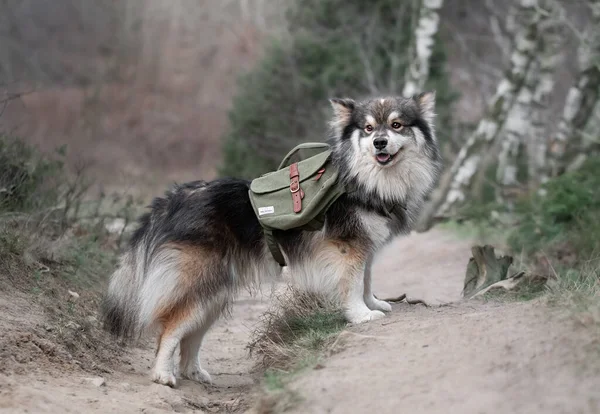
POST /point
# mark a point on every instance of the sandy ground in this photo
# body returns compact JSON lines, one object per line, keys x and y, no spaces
{"x":127,"y":388}
{"x":471,"y":357}
{"x":463,"y":358}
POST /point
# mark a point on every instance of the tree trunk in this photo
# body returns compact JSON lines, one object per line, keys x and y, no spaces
{"x":591,"y":144}
{"x":518,"y":124}
{"x":484,"y":269}
{"x":549,"y":58}
{"x":526,"y":124}
{"x":580,"y":102}
{"x":427,"y":27}
{"x":467,"y":162}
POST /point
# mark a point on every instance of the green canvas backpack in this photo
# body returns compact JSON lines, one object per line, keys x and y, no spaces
{"x":296,"y":195}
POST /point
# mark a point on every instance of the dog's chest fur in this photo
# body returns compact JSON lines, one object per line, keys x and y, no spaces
{"x":369,"y":224}
{"x":375,"y":226}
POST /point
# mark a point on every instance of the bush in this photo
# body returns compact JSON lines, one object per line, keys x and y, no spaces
{"x":28,"y":181}
{"x":283,"y":101}
{"x":566,"y":216}
{"x":55,"y":250}
{"x":40,"y":222}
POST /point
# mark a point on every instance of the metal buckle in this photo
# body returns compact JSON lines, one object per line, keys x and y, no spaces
{"x":296,"y":188}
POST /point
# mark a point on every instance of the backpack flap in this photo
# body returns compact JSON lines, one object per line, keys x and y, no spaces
{"x":312,"y":148}
{"x":295,"y":195}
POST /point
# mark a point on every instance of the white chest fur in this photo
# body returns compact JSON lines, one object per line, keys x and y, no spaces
{"x":376,"y":226}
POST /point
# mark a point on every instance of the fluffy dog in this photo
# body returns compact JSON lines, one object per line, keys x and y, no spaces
{"x":202,"y":242}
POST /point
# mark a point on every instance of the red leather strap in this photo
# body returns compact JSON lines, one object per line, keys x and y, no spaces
{"x":320,"y":174}
{"x":297,"y":193}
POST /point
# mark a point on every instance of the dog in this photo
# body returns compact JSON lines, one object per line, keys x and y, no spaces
{"x":201,"y":242}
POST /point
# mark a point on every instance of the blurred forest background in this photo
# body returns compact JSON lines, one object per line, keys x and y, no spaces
{"x":103,"y":103}
{"x":141,"y":93}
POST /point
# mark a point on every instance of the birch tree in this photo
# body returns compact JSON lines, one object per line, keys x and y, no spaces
{"x":592,"y":139}
{"x":517,"y":127}
{"x":581,"y":99}
{"x":424,"y":38}
{"x":460,"y":176}
{"x":549,"y":57}
{"x":526,"y":124}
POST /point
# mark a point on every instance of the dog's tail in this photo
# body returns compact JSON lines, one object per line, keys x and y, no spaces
{"x":123,"y":303}
{"x":147,"y":274}
{"x":121,"y":306}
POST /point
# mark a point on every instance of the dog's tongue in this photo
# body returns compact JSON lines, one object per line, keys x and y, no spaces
{"x":383,"y":157}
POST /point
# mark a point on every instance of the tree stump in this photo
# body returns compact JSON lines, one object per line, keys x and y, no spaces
{"x":485,"y":269}
{"x":486,"y":272}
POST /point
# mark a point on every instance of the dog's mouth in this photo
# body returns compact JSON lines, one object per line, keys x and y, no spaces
{"x":384,"y":158}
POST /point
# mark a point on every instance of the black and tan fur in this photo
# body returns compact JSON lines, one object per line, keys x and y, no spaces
{"x":201,"y":242}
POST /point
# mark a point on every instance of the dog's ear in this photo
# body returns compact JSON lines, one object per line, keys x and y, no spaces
{"x":426,"y":103}
{"x":342,"y":113}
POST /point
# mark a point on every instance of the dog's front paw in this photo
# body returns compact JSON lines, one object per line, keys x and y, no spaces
{"x":365,"y":317}
{"x":164,"y":378}
{"x":375,"y":304}
{"x":198,"y":375}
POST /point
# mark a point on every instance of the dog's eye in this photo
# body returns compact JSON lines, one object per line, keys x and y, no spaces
{"x":396,"y":125}
{"x":368,"y":128}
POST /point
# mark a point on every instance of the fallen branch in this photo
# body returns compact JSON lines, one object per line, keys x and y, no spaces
{"x":404,"y":298}
{"x":507,"y":284}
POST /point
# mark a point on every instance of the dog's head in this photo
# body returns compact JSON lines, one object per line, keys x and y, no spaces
{"x":387,"y":145}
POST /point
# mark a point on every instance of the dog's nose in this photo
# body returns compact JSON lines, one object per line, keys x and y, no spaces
{"x":380,"y":143}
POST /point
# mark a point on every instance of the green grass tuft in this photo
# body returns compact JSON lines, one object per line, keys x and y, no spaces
{"x":298,"y":326}
{"x":292,"y":337}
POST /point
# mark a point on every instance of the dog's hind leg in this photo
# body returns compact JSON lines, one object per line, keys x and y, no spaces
{"x":370,"y":300}
{"x":185,"y":326}
{"x":164,"y":365}
{"x":190,"y":366}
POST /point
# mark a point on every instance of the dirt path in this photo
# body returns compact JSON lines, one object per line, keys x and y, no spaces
{"x":45,"y":388}
{"x":463,"y":358}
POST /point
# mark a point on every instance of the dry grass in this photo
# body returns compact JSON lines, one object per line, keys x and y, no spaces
{"x":578,"y":290}
{"x":56,"y":255}
{"x":298,"y":327}
{"x":293,"y":336}
{"x":60,"y":275}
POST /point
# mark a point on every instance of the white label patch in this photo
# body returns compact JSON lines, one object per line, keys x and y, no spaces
{"x":266,"y":210}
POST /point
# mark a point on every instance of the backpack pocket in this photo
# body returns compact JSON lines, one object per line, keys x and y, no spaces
{"x":296,"y":195}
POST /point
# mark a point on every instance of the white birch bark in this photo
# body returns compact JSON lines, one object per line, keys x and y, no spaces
{"x":549,"y":58}
{"x":581,"y":99}
{"x":526,"y":123}
{"x":466,"y":164}
{"x":590,"y":140}
{"x":427,"y":27}
{"x":592,"y":130}
{"x":518,"y":124}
